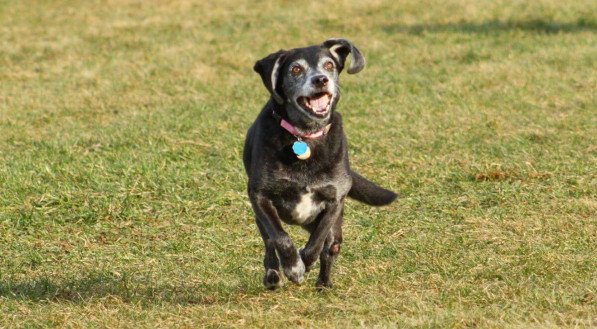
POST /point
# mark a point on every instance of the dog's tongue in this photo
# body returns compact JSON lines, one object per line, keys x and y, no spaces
{"x":319,"y":103}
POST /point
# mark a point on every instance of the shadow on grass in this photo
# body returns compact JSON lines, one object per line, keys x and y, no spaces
{"x":494,"y":26}
{"x":102,"y":285}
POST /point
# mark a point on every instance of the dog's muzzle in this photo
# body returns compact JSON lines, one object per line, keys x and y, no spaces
{"x":319,"y":104}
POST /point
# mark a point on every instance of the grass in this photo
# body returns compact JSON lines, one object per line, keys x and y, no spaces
{"x":122,"y":193}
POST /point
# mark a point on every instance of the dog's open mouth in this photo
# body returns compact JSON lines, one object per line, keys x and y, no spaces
{"x":318,"y":104}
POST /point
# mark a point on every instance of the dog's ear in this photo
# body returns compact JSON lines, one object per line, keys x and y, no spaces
{"x":340,"y":48}
{"x":269,"y":70}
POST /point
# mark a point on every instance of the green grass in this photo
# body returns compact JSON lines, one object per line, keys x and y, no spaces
{"x":122,"y":192}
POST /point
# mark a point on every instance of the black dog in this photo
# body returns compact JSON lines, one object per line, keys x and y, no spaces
{"x":296,"y":158}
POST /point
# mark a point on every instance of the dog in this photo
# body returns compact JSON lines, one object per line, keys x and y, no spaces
{"x":295,"y":156}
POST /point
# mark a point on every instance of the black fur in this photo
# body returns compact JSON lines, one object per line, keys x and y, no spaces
{"x":369,"y":193}
{"x":309,"y":192}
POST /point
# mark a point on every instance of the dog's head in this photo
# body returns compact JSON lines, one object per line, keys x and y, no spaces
{"x":304,"y":81}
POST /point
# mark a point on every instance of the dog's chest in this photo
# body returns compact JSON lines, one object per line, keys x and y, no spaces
{"x":306,"y":208}
{"x":301,"y":196}
{"x":300,"y":205}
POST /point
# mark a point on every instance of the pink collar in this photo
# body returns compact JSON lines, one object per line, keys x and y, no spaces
{"x":291,"y":129}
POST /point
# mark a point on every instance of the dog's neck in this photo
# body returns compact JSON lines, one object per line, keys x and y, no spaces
{"x":292,"y":130}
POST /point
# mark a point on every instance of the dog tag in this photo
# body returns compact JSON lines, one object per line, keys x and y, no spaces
{"x":301,"y":150}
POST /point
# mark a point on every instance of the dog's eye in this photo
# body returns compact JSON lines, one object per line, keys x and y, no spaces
{"x":328,"y":66}
{"x":296,"y":70}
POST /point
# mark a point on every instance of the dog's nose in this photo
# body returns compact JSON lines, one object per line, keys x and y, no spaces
{"x":320,"y":81}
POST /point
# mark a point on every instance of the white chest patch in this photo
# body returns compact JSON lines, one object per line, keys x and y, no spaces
{"x":306,"y":208}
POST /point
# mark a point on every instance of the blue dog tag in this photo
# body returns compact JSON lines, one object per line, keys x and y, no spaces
{"x":299,"y":147}
{"x":301,"y":150}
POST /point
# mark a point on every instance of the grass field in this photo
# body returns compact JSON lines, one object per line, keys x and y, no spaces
{"x":122,"y":192}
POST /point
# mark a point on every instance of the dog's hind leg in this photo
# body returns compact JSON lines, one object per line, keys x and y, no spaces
{"x":272,"y":278}
{"x":328,"y":255}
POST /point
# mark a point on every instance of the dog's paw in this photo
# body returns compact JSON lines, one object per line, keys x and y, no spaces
{"x":272,"y":279}
{"x":296,"y":272}
{"x":308,"y":267}
{"x":321,"y":284}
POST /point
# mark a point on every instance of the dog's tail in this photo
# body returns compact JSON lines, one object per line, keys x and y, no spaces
{"x":367,"y":192}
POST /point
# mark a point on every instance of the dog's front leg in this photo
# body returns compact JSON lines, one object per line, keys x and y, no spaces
{"x":268,"y":220}
{"x":272,"y":278}
{"x":320,"y":232}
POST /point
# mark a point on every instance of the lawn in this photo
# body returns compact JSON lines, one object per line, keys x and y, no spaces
{"x":123,"y":198}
